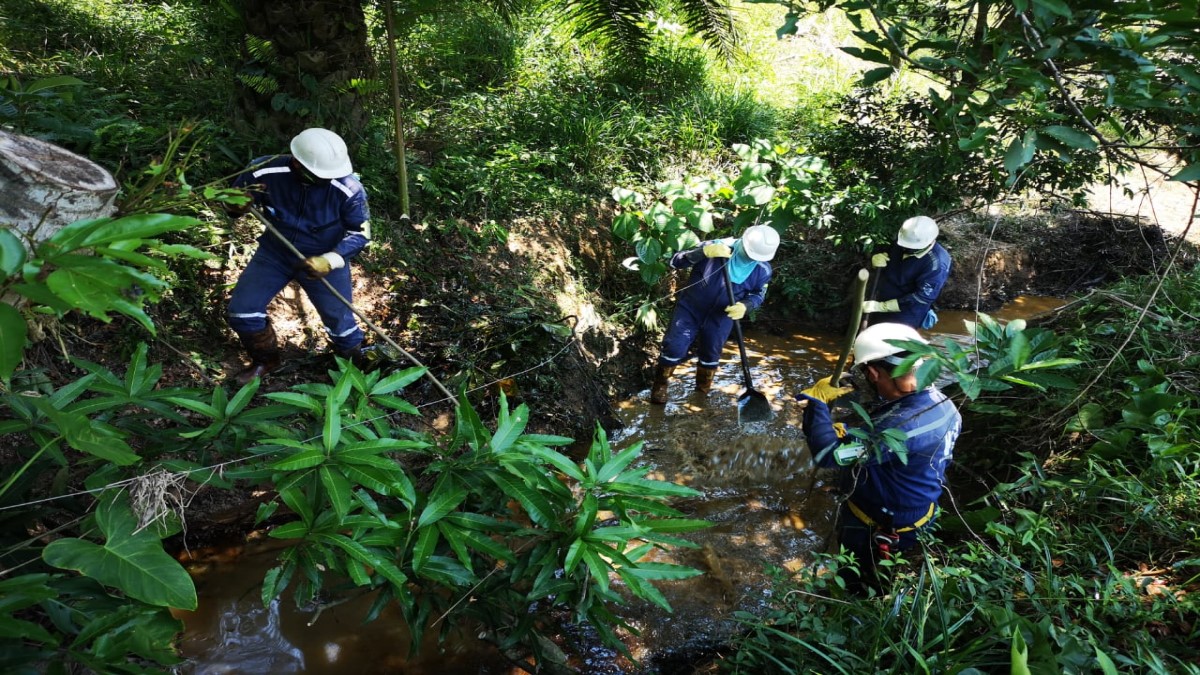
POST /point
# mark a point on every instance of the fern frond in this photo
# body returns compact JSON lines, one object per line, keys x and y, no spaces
{"x":261,"y":83}
{"x":260,"y":49}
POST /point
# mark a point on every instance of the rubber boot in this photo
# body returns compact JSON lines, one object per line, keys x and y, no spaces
{"x":263,"y":351}
{"x":704,"y":379}
{"x":658,"y":391}
{"x":355,"y":355}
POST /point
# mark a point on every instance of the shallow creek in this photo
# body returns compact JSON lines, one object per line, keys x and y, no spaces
{"x":757,"y":487}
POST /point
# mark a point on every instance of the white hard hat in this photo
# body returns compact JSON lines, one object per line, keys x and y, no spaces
{"x":760,"y":242}
{"x":322,"y":152}
{"x":917,"y":232}
{"x":871,"y":345}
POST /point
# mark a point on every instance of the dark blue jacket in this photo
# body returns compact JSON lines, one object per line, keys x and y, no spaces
{"x":884,"y":487}
{"x":705,"y":292}
{"x":914,"y":282}
{"x":316,"y":218}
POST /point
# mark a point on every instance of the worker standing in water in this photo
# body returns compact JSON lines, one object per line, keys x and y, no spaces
{"x":910,"y":276}
{"x":703,"y":316}
{"x":891,"y":496}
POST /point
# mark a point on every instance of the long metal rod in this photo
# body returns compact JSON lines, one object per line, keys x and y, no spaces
{"x":377,"y":330}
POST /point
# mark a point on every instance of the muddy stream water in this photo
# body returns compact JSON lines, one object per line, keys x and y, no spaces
{"x":757,"y":485}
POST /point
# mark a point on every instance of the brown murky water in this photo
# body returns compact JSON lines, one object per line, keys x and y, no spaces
{"x":757,"y":485}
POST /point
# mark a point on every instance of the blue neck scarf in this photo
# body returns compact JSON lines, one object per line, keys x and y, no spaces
{"x":740,"y":265}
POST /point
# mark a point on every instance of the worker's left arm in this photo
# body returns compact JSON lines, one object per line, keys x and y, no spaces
{"x":819,"y":431}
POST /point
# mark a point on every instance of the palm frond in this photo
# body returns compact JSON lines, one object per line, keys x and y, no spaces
{"x":616,"y":23}
{"x":713,"y":21}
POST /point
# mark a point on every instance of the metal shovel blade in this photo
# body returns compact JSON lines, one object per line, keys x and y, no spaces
{"x":753,"y":406}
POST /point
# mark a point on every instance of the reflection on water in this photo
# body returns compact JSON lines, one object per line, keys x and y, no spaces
{"x":231,"y":632}
{"x":757,"y":487}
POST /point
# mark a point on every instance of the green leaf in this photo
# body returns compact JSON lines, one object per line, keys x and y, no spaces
{"x":397,"y":381}
{"x":1189,"y":173}
{"x":131,"y":561}
{"x":427,"y":539}
{"x":872,"y":55}
{"x":298,"y":502}
{"x":306,"y":458}
{"x":1090,"y":416}
{"x":445,"y":498}
{"x":303,"y":401}
{"x":1072,"y":137}
{"x":535,"y":504}
{"x":617,"y":464}
{"x":1019,"y":653}
{"x":1018,"y":155}
{"x":13,"y":333}
{"x":560,"y":461}
{"x":138,"y":226}
{"x":510,"y":428}
{"x":331,"y":431}
{"x":876,"y":75}
{"x":85,"y":436}
{"x":12,"y":254}
{"x":339,"y":491}
{"x":296,"y":529}
{"x":1054,"y":6}
{"x":52,"y":83}
{"x":242,"y":398}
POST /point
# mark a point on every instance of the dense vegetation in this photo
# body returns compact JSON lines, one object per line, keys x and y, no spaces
{"x":1077,"y":552}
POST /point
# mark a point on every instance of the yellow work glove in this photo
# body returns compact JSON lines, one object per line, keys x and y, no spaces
{"x":872,"y":306}
{"x":824,"y":391}
{"x":317,"y":267}
{"x":839,"y":429}
{"x":717,"y":250}
{"x":879,"y":260}
{"x":736,"y":311}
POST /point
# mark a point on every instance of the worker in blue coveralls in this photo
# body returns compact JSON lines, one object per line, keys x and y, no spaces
{"x":890,"y":497}
{"x":703,"y":316}
{"x":313,"y":199}
{"x":910,"y":276}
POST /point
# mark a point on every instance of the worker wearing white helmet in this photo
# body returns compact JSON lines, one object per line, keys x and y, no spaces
{"x":313,"y":199}
{"x":703,"y":316}
{"x":910,"y":276}
{"x":892,"y":495}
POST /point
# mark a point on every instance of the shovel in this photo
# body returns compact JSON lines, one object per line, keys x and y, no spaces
{"x":753,"y":406}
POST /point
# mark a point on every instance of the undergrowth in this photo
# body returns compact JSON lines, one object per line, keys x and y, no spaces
{"x":1084,"y":560}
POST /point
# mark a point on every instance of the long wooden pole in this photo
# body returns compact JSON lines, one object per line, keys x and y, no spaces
{"x":401,"y":161}
{"x":856,"y":295}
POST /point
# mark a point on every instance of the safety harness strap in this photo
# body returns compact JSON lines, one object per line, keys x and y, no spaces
{"x":861,"y":515}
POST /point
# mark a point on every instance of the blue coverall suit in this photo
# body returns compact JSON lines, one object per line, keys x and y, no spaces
{"x":699,"y":315}
{"x":319,"y":217}
{"x":915,"y":282}
{"x":886,"y":494}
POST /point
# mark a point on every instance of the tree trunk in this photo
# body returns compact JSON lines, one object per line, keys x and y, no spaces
{"x":304,"y":78}
{"x":44,"y":188}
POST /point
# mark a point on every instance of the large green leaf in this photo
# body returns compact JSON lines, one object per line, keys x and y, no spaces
{"x":131,"y":561}
{"x":84,"y":435}
{"x":138,"y":226}
{"x":1189,"y":173}
{"x":12,"y":254}
{"x":445,"y":498}
{"x":1071,"y":136}
{"x":12,"y":339}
